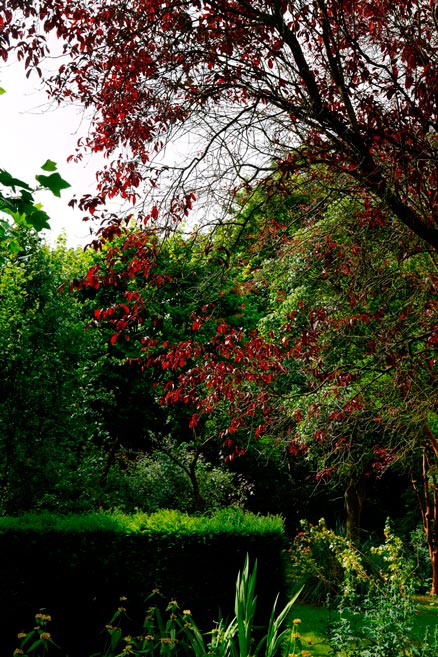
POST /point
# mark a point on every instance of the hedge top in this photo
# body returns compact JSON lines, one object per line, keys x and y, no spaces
{"x":229,"y":520}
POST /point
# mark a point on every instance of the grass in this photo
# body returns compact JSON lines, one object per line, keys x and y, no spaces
{"x":315,"y":620}
{"x":427,"y":615}
{"x":313,"y":628}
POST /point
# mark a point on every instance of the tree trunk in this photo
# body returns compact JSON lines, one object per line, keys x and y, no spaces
{"x":198,"y":500}
{"x":354,"y":498}
{"x":434,"y":562}
{"x":110,"y":460}
{"x":427,"y":496}
{"x":190,"y":470}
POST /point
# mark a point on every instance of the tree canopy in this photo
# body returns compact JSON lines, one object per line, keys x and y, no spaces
{"x":350,"y":84}
{"x":305,"y":311}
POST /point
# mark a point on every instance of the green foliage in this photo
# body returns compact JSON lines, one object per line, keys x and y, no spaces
{"x":54,"y":182}
{"x":326,"y":562}
{"x":160,"y":480}
{"x":18,"y":203}
{"x":416,"y":546}
{"x":372,"y":593}
{"x":48,"y":424}
{"x":45,"y":521}
{"x":379,"y":622}
{"x":228,"y":520}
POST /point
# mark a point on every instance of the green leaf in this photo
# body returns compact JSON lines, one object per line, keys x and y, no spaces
{"x":53,"y":182}
{"x":38,"y":219}
{"x":8,"y":180}
{"x":26,"y":197}
{"x":35,"y":644}
{"x":4,"y":228}
{"x":2,"y":91}
{"x":20,"y":218}
{"x":49,"y":165}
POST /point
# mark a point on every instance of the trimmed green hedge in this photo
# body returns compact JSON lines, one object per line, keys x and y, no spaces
{"x":77,"y":567}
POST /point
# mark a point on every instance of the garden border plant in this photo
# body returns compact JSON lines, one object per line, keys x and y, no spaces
{"x":371,"y":593}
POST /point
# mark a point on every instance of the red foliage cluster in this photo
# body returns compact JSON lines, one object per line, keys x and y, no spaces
{"x":350,"y":84}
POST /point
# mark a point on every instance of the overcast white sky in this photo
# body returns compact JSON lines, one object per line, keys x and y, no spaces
{"x":30,"y":133}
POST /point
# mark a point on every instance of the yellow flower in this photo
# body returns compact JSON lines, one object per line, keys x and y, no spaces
{"x":45,"y":635}
{"x":296,"y":621}
{"x":43,"y":617}
{"x":21,"y":635}
{"x":149,"y":637}
{"x":121,"y":609}
{"x":123,"y":598}
{"x":306,"y":653}
{"x":187,"y":612}
{"x":18,"y":652}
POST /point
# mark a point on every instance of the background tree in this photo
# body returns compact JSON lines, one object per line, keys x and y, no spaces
{"x":357,"y":310}
{"x":48,"y":387}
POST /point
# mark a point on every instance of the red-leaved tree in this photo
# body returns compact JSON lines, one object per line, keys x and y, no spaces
{"x":251,"y":92}
{"x":244,"y":86}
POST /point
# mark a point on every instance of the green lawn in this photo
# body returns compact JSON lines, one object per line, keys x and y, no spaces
{"x":314,"y":622}
{"x":427,"y":615}
{"x":313,"y":628}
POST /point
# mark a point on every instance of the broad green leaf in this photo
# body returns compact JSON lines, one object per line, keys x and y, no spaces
{"x":20,"y":218}
{"x":9,"y":181}
{"x":53,"y":182}
{"x":38,"y":219}
{"x":2,"y":91}
{"x":49,"y":165}
{"x":26,"y":196}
